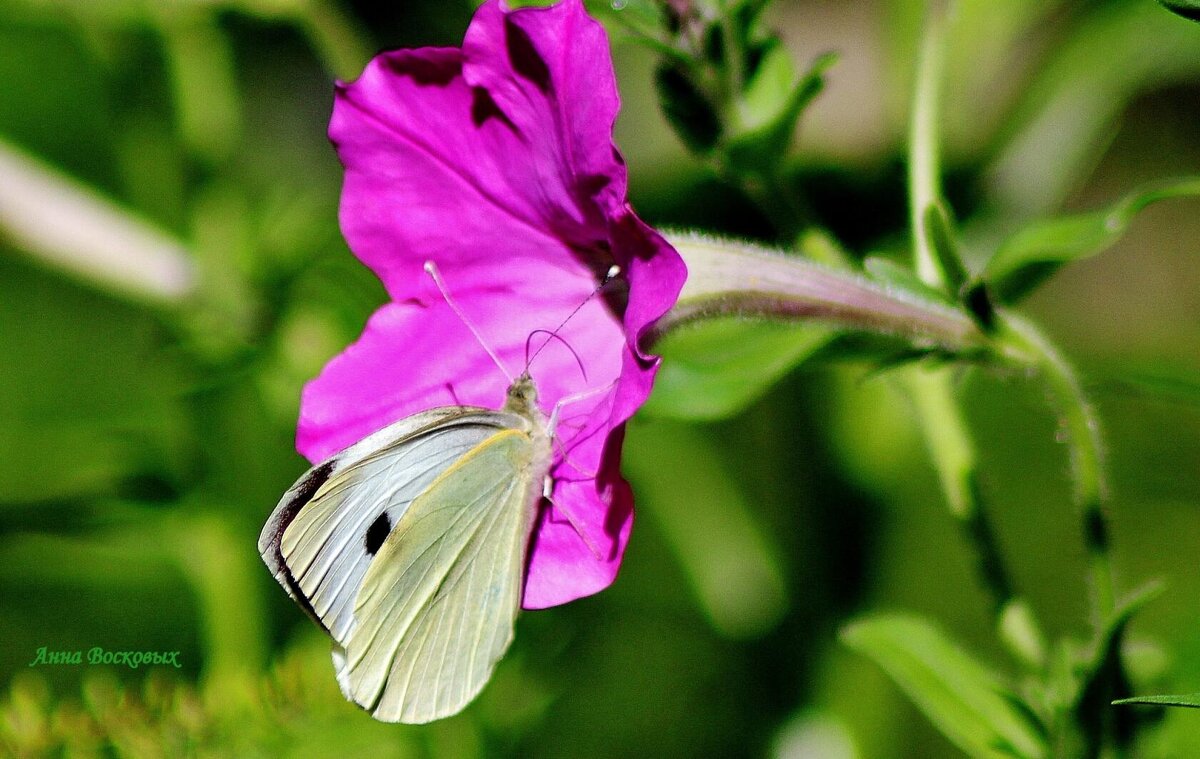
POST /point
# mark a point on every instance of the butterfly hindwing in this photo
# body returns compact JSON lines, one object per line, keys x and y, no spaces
{"x":319,"y":540}
{"x":437,"y":605}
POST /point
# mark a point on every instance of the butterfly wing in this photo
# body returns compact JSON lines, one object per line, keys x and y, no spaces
{"x":438,"y":603}
{"x":321,"y":537}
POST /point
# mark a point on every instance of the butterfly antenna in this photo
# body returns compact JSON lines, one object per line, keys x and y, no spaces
{"x":555,"y":336}
{"x":432,"y":270}
{"x":613,"y":271}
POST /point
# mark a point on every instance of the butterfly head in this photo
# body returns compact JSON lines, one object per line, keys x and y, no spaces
{"x":522,"y":397}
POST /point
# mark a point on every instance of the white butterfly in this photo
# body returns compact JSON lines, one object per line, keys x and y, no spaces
{"x":409,"y":549}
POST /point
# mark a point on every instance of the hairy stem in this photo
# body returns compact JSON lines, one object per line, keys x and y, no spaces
{"x":727,"y":277}
{"x":1081,"y":432}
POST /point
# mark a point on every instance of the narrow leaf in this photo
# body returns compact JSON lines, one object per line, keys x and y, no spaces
{"x":772,"y":106}
{"x":1027,"y":258}
{"x":939,"y":232}
{"x":964,"y":699}
{"x":1106,"y":679}
{"x":1187,"y":700}
{"x":1160,"y":383}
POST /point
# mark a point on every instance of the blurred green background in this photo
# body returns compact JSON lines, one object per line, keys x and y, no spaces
{"x":171,"y":273}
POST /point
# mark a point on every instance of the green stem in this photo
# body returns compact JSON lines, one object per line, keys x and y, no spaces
{"x":924,"y":167}
{"x":1081,"y":432}
{"x":941,"y":418}
{"x":955,"y":460}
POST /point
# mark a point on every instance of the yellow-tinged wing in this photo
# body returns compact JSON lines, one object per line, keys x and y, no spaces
{"x":437,"y":605}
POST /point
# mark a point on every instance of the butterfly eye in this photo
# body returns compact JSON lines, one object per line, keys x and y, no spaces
{"x":377,"y":533}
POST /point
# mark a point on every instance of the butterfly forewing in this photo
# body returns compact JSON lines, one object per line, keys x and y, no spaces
{"x":319,"y":540}
{"x":437,"y":605}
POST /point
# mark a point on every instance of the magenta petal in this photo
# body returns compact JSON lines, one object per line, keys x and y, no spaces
{"x":564,"y":565}
{"x":550,"y":71}
{"x":432,"y":172}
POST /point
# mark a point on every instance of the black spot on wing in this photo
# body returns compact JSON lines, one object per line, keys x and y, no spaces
{"x":377,"y":533}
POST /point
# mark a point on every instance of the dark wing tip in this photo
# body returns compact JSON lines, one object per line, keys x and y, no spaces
{"x":295,"y":499}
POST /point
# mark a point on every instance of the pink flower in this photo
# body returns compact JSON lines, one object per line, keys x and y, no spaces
{"x":496,"y":162}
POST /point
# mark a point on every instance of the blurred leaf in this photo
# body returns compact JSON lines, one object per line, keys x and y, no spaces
{"x":714,"y":369}
{"x":815,"y":734}
{"x":728,"y":557}
{"x":1180,"y":385}
{"x":1189,"y":9}
{"x":1188,"y":700}
{"x":821,"y":246}
{"x":204,"y":82}
{"x":92,"y":401}
{"x":1033,"y":254}
{"x":689,"y":112}
{"x":57,"y":103}
{"x":73,"y":229}
{"x":962,"y":697}
{"x":771,"y":107}
{"x":1067,"y":111}
{"x":337,"y":38}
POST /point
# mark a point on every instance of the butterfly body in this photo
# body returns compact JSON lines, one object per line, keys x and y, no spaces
{"x":409,"y":549}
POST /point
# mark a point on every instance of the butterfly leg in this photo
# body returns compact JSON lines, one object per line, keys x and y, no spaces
{"x":552,"y":425}
{"x":547,"y":493}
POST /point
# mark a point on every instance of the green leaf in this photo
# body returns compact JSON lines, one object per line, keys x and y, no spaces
{"x":771,"y":106}
{"x":1071,"y":105}
{"x":714,"y":369}
{"x":728,"y":557}
{"x":688,"y":110}
{"x":939,"y":232}
{"x":963,"y":698}
{"x":1189,"y":9}
{"x":1027,"y":258}
{"x":1177,"y":385}
{"x":1187,"y":700}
